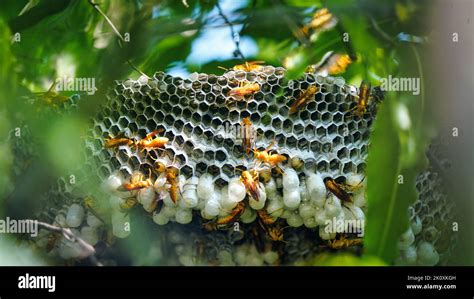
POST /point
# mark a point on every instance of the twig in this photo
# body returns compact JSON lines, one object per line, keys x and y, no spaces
{"x":121,"y":39}
{"x":379,"y":30}
{"x":136,"y":69}
{"x":87,"y":249}
{"x":235,"y":35}
{"x":96,"y":7}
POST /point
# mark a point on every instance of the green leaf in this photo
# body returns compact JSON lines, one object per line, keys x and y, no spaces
{"x":345,"y":259}
{"x":35,"y":15}
{"x":387,"y":212}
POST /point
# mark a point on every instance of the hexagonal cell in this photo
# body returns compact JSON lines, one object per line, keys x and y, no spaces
{"x":201,"y":168}
{"x":220,"y":156}
{"x":196,"y":118}
{"x":322,"y":107}
{"x":139,"y":107}
{"x":262,"y":108}
{"x":159,"y":116}
{"x":321,"y":132}
{"x":228,"y":169}
{"x":198,"y":154}
{"x":356,"y":136}
{"x":223,"y":112}
{"x":334,"y":165}
{"x":216,"y":123}
{"x":179,"y":141}
{"x":237,"y":150}
{"x":343,"y":153}
{"x":327,"y":147}
{"x":315,"y":146}
{"x":218,"y":141}
{"x":287,"y":125}
{"x":284,"y":110}
{"x":105,"y":171}
{"x":272,"y":109}
{"x":141,"y":120}
{"x":332,"y":107}
{"x":198,"y":131}
{"x":206,"y":120}
{"x":326,"y":117}
{"x":276,"y":123}
{"x":322,"y":166}
{"x":114,"y":130}
{"x":361,"y":168}
{"x":298,"y":129}
{"x":196,"y":86}
{"x":336,"y":141}
{"x":213,"y":170}
{"x":208,"y":135}
{"x":303,"y":144}
{"x":291,"y":141}
{"x":348,"y":167}
{"x":187,"y":171}
{"x":234,"y":116}
{"x":337,"y":117}
{"x":315,"y":116}
{"x":149,"y":112}
{"x":169,"y":119}
{"x":269,"y":134}
{"x":229,"y":143}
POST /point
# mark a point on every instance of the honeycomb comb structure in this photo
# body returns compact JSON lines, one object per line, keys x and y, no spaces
{"x":203,"y":123}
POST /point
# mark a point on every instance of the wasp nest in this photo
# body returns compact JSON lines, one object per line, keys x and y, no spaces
{"x":430,"y":240}
{"x":201,"y":117}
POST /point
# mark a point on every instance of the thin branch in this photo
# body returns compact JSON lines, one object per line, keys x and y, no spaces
{"x":379,"y":30}
{"x":87,"y":249}
{"x":96,"y":7}
{"x":235,"y":35}
{"x":121,"y":38}
{"x":136,"y":69}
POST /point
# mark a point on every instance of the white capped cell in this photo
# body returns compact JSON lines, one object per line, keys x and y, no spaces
{"x":146,"y":196}
{"x":205,"y":186}
{"x":316,"y":188}
{"x":236,"y":190}
{"x":90,"y":235}
{"x":291,"y":180}
{"x":120,"y":224}
{"x":427,"y":254}
{"x":75,"y":215}
{"x":184,"y":216}
{"x":406,"y":239}
{"x":160,"y":218}
{"x":294,"y":220}
{"x":212,"y":207}
{"x":291,"y":199}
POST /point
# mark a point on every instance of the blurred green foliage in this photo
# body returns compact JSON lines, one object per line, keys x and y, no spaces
{"x":58,"y":37}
